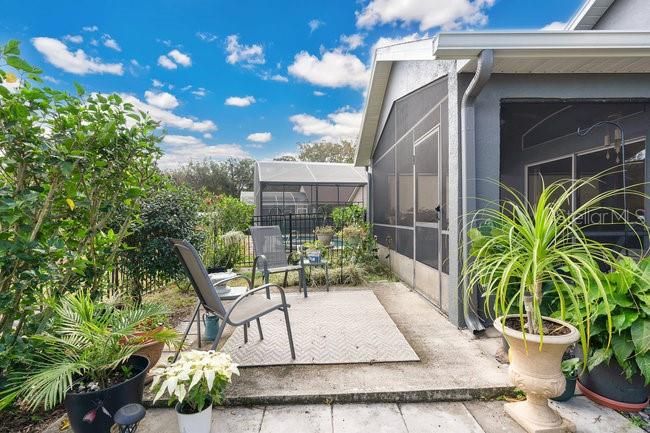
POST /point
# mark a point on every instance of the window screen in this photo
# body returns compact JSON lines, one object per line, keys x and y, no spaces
{"x":384,"y":190}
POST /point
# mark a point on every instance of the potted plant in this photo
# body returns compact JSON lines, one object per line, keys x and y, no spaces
{"x":314,"y":251}
{"x":194,"y":383}
{"x":618,"y":367}
{"x":354,"y":234}
{"x":84,"y":363}
{"x":324,"y":234}
{"x":225,"y":253}
{"x":570,"y":368}
{"x":151,"y":336}
{"x":531,"y":247}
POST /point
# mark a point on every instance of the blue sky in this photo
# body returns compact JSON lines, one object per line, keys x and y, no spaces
{"x":245,"y":78}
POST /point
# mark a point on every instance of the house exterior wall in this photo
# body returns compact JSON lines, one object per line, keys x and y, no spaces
{"x":626,"y":15}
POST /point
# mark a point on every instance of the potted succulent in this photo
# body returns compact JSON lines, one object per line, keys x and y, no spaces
{"x":532,"y":248}
{"x":324,"y":234}
{"x":570,"y":368}
{"x":618,"y":367}
{"x":314,"y":251}
{"x":194,"y":383}
{"x":84,"y":363}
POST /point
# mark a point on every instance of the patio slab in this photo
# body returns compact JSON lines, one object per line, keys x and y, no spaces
{"x":443,"y":417}
{"x":453,"y":365}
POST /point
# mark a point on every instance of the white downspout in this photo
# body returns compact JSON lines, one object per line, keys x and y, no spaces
{"x":468,"y":169}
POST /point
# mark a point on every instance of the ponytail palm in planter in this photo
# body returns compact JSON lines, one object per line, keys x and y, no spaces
{"x":527,"y":248}
{"x":83,"y":362}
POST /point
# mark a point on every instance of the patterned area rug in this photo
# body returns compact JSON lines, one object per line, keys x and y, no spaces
{"x":328,"y":328}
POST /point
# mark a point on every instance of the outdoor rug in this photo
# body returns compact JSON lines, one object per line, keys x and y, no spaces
{"x":328,"y":328}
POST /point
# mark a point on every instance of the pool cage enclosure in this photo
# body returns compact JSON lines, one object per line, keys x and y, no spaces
{"x":283,"y":187}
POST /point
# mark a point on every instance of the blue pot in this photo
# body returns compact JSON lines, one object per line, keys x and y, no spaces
{"x":211,"y":325}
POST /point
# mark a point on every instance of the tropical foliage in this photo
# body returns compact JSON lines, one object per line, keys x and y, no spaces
{"x":72,"y":176}
{"x":347,"y":215}
{"x":85,"y":343}
{"x":195,"y":380}
{"x":525,"y":247}
{"x":627,"y":290}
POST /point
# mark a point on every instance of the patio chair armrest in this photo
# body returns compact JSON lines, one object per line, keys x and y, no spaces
{"x":237,"y":277}
{"x":264,"y":260}
{"x":257,"y":289}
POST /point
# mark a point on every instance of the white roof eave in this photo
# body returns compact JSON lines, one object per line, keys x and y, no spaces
{"x":563,"y":43}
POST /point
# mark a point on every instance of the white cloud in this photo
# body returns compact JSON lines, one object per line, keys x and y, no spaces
{"x":385,"y":41}
{"x":333,"y":69}
{"x":342,"y":124}
{"x":318,"y":93}
{"x":199,"y":92}
{"x":260,"y":137}
{"x":51,"y":79}
{"x":315,"y":24}
{"x":555,"y":25}
{"x":157,"y":83}
{"x":167,"y":118}
{"x":90,"y":28}
{"x":207,"y":135}
{"x":206,"y":36}
{"x":174,"y":58}
{"x":111,"y":43}
{"x":240,"y":101}
{"x":135,"y":68}
{"x":240,"y":53}
{"x":181,"y":149}
{"x":57,"y":53}
{"x":166,"y":62}
{"x":163,"y":100}
{"x":94,"y":43}
{"x":266,"y":76}
{"x":186,"y":88}
{"x":354,"y":41}
{"x":447,"y":14}
{"x":75,"y":39}
{"x":180,"y":58}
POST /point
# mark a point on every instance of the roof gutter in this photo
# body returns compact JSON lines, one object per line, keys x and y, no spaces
{"x":468,"y":170}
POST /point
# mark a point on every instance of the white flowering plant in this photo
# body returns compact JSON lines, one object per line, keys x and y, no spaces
{"x":195,"y":380}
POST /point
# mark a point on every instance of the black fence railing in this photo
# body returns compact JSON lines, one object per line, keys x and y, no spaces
{"x":296,"y":230}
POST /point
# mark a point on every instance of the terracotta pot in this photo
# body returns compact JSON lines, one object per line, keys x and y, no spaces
{"x":325,"y":239}
{"x":152,"y":350}
{"x":537,"y":371}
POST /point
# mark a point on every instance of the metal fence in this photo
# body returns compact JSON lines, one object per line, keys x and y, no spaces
{"x":296,"y":230}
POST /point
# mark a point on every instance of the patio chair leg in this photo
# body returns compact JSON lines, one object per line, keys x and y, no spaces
{"x":286,"y":274}
{"x":259,"y":328}
{"x":303,"y":281}
{"x":266,"y":281}
{"x":245,"y":333}
{"x":286,"y":319}
{"x":187,"y":331}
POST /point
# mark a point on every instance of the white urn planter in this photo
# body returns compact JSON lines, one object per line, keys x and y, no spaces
{"x":200,"y":422}
{"x":538,"y":373}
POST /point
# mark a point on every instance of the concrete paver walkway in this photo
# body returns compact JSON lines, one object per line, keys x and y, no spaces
{"x":443,"y":417}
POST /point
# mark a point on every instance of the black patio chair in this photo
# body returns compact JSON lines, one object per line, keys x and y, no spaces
{"x":271,"y":256}
{"x":244,"y":309}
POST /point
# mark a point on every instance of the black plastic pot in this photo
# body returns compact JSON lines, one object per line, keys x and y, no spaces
{"x":569,"y":390}
{"x":606,"y":384}
{"x":92,"y":412}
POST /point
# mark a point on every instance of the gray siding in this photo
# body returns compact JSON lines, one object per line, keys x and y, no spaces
{"x":626,"y":15}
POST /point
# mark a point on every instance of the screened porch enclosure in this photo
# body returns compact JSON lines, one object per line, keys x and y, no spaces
{"x":540,"y":144}
{"x":283,"y":187}
{"x":410,"y":190}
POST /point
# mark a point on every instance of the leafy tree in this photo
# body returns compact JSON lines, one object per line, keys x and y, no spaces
{"x":325,"y":151}
{"x":229,"y":177}
{"x":71,"y":166}
{"x":286,"y":157}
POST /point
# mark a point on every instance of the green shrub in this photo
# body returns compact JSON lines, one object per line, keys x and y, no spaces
{"x":233,"y":214}
{"x":348,"y":215}
{"x":167,"y":213}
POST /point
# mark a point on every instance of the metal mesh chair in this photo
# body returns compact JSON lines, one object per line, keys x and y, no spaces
{"x":244,"y":309}
{"x":271,"y":255}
